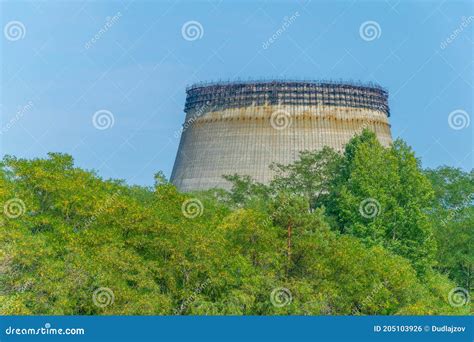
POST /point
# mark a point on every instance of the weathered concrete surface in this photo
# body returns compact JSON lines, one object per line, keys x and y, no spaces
{"x":247,"y":140}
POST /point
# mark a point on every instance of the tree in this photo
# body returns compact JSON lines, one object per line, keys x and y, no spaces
{"x":245,"y":190}
{"x":382,"y":197}
{"x":452,"y":216}
{"x":73,"y":243}
{"x":309,"y":176}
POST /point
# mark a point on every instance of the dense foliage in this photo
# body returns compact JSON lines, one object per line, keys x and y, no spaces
{"x":365,"y":232}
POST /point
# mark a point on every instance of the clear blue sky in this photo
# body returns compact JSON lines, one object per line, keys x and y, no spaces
{"x":54,"y":78}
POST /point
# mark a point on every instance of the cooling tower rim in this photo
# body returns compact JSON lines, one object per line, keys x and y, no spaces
{"x":328,"y":83}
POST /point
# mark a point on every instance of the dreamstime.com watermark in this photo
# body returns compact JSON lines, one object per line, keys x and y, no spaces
{"x":458,"y":119}
{"x":103,"y":119}
{"x":109,"y":201}
{"x":458,"y":297}
{"x":465,"y":22}
{"x":369,"y":208}
{"x":287,"y":22}
{"x":109,"y":22}
{"x":280,"y":119}
{"x":14,"y":208}
{"x":192,"y":208}
{"x":14,"y":30}
{"x":370,"y":30}
{"x":192,"y":298}
{"x":192,"y":30}
{"x":22,"y":110}
{"x":275,"y":213}
{"x":280,"y":297}
{"x":370,"y":298}
{"x":196,"y":114}
{"x":455,"y":211}
{"x":102,"y":297}
{"x":46,"y":330}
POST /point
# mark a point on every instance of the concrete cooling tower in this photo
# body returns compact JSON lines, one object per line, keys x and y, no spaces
{"x":242,"y":127}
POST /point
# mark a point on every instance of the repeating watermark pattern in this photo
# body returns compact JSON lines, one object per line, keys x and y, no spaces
{"x":109,"y":22}
{"x":453,"y":212}
{"x":189,"y":122}
{"x":275,"y":213}
{"x":370,"y":30}
{"x":191,"y":298}
{"x":110,"y":200}
{"x":14,"y":208}
{"x":192,"y":208}
{"x":14,"y":30}
{"x":22,"y":110}
{"x":287,"y":22}
{"x":5,"y":304}
{"x":281,"y":297}
{"x":370,"y":298}
{"x":458,"y":297}
{"x":365,"y":125}
{"x":185,"y":126}
{"x":24,"y":287}
{"x":458,"y":119}
{"x":280,"y":119}
{"x":465,"y":22}
{"x":192,"y":30}
{"x":103,"y":119}
{"x":103,"y":296}
{"x":369,"y":208}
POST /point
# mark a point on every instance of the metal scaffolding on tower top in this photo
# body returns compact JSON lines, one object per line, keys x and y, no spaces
{"x":238,"y":94}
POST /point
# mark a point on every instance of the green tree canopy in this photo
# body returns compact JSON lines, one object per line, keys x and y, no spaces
{"x":73,"y":243}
